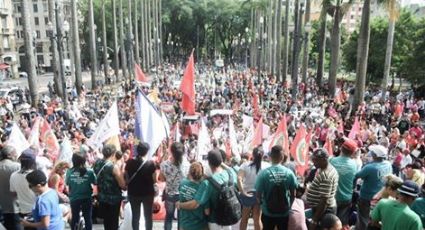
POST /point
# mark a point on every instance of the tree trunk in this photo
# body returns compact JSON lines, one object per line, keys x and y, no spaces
{"x":388,"y":56}
{"x":362,"y":54}
{"x":335,"y":47}
{"x":29,"y":52}
{"x":142,"y":43}
{"x":115,"y":34}
{"x":130,"y":59}
{"x":321,"y":47}
{"x":149,"y":39}
{"x":76,"y":48}
{"x":295,"y":56}
{"x":122,"y":45}
{"x":279,"y":40}
{"x":136,"y":33}
{"x":272,"y":38}
{"x":92,"y":44}
{"x":306,"y":43}
{"x":55,"y":57}
{"x":161,"y":44}
{"x":105,"y":44}
{"x":285,"y":42}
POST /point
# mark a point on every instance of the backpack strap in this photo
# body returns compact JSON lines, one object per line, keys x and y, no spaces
{"x":215,"y":184}
{"x":230,"y":182}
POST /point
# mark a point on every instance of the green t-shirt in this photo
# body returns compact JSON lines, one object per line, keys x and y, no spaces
{"x":207,"y":195}
{"x":395,"y":216}
{"x":80,"y":187}
{"x":347,"y":169}
{"x":268,"y":178}
{"x":190,"y":219}
{"x":419,"y":207}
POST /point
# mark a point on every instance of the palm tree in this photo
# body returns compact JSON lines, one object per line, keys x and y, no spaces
{"x":321,"y":46}
{"x":76,"y":48}
{"x":393,"y":11}
{"x":115,"y":35}
{"x":337,"y":11}
{"x":55,"y":57}
{"x":29,"y":52}
{"x":278,"y":39}
{"x":92,"y":44}
{"x":362,"y":54}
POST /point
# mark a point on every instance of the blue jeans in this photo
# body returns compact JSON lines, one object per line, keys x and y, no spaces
{"x":170,"y":207}
{"x":85,"y":206}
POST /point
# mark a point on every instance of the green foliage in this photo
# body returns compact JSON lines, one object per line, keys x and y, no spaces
{"x":404,"y":43}
{"x":415,"y":69}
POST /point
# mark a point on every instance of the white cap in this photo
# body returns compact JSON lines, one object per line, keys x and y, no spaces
{"x":379,"y":151}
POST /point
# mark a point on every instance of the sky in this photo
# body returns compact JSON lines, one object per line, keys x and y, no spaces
{"x":408,"y":2}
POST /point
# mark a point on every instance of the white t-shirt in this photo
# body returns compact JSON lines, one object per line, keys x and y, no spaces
{"x":251,"y":174}
{"x":26,"y":197}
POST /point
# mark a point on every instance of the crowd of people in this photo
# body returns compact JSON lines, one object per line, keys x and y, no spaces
{"x":363,"y":167}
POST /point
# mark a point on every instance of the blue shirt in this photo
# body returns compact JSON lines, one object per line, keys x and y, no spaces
{"x":47,"y":204}
{"x":373,"y":178}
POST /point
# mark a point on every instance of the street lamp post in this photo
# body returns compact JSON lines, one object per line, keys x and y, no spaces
{"x":60,"y":36}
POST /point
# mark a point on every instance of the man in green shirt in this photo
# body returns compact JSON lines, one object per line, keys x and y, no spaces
{"x":419,"y":206}
{"x":396,"y":214}
{"x":347,"y":169}
{"x":276,"y":178}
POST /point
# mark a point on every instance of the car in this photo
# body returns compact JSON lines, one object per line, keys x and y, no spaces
{"x":12,"y":94}
{"x":23,"y":75}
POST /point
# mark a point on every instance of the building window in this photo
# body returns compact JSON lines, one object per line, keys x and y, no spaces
{"x":4,"y":22}
{"x":36,"y":21}
{"x":45,"y":7}
{"x":35,"y":8}
{"x":20,"y":21}
{"x":38,"y":33}
{"x":46,"y":20}
{"x":40,"y":59}
{"x":17,"y":8}
{"x":6,"y":42}
{"x":39,"y":48}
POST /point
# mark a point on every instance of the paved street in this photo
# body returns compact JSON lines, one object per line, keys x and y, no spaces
{"x":42,"y":81}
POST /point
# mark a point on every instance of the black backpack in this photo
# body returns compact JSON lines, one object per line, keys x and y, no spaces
{"x":276,"y":201}
{"x":228,"y":208}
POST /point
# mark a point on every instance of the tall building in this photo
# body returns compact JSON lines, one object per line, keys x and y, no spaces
{"x":8,"y":51}
{"x":39,"y":13}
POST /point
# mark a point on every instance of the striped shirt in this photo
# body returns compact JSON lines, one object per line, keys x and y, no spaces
{"x":325,"y":184}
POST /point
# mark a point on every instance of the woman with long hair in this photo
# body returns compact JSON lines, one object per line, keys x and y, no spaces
{"x":246,"y":184}
{"x":80,"y":181}
{"x":57,"y":182}
{"x":172,"y":172}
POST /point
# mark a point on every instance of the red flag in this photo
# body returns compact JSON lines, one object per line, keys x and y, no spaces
{"x":49,"y":139}
{"x":280,"y":137}
{"x":187,"y":87}
{"x":258,"y":134}
{"x":140,"y":76}
{"x":355,"y":129}
{"x":299,"y":149}
{"x":329,"y":146}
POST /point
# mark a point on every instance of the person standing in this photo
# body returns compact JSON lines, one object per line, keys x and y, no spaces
{"x":141,"y":179}
{"x":192,"y":219}
{"x":246,"y":184}
{"x":80,"y":181}
{"x":110,"y":181}
{"x":172,"y":172}
{"x":373,"y":176}
{"x":19,"y":184}
{"x":46,"y":212}
{"x":396,"y":214}
{"x":321,"y":192}
{"x":419,"y":205}
{"x":275,"y":188}
{"x":8,"y":205}
{"x":347,"y":169}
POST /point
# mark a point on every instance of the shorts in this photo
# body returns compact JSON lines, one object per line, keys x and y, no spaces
{"x":248,"y":201}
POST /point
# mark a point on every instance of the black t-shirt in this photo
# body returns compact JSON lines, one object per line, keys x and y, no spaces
{"x":142,"y":184}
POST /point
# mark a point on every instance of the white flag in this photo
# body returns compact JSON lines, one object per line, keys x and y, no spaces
{"x":248,"y":139}
{"x":66,"y":152}
{"x":150,"y":126}
{"x":204,"y":142}
{"x":107,"y":128}
{"x":232,"y":137}
{"x":17,"y":140}
{"x":34,"y":137}
{"x":166,"y":124}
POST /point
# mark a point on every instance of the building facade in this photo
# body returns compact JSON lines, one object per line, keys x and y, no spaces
{"x":39,"y":13}
{"x":8,"y":49}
